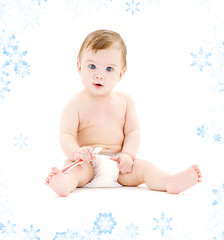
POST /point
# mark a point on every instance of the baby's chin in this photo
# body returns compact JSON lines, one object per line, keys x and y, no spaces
{"x":99,"y":92}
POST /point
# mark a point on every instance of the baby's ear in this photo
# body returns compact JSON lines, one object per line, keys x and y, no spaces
{"x":123,"y":70}
{"x":79,"y":66}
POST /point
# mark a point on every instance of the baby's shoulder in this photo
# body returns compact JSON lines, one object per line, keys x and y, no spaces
{"x":124,"y":96}
{"x":74,"y":102}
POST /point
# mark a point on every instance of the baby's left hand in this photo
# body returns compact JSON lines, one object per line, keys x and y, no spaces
{"x":125,"y":162}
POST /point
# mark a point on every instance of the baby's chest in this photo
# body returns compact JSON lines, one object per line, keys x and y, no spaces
{"x":101,"y":117}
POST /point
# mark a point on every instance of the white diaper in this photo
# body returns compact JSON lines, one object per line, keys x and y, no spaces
{"x":106,"y":172}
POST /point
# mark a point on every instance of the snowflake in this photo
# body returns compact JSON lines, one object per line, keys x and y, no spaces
{"x":31,"y":233}
{"x":217,"y":215}
{"x":217,"y":137}
{"x":8,"y":228}
{"x":21,"y":141}
{"x":3,"y":182}
{"x":202,"y":131}
{"x":92,"y":235}
{"x":87,"y":6}
{"x":22,"y":69}
{"x":39,"y":1}
{"x":15,"y":57}
{"x":5,"y":206}
{"x":219,"y":194}
{"x":105,"y":223}
{"x":132,"y":6}
{"x":5,"y":203}
{"x":4,"y":87}
{"x":218,"y":26}
{"x":201,"y":59}
{"x":30,"y":15}
{"x":208,"y":4}
{"x":132,"y":231}
{"x":5,"y":7}
{"x":68,"y":235}
{"x":219,"y":235}
{"x":162,"y":224}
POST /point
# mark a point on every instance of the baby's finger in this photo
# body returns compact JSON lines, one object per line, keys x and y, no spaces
{"x":87,"y":154}
{"x":115,"y":158}
{"x":79,"y":156}
{"x":121,"y":168}
{"x":125,"y":170}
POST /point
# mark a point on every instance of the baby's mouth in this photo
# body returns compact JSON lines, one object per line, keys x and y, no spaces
{"x":98,"y":85}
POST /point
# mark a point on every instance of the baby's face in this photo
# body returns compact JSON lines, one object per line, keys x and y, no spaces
{"x":101,"y":71}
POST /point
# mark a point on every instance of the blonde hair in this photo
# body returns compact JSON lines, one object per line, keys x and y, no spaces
{"x":103,"y":39}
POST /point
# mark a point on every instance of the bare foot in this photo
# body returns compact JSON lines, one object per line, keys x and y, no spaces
{"x":184,"y":180}
{"x":58,"y":182}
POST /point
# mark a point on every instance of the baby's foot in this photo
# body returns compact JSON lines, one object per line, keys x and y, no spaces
{"x":184,"y":180}
{"x":58,"y":182}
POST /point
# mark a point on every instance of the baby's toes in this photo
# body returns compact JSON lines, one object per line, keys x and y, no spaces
{"x":195,"y":167}
{"x":47,"y":180}
{"x":199,"y":175}
{"x":55,"y":170}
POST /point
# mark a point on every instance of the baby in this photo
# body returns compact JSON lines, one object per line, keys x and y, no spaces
{"x":99,"y":116}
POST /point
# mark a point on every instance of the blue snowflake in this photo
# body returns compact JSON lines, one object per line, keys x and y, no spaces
{"x":132,"y":6}
{"x":202,"y":131}
{"x":162,"y":224}
{"x":132,"y":231}
{"x":207,"y":4}
{"x":31,"y":233}
{"x":4,"y":89}
{"x":219,"y":236}
{"x":201,"y":59}
{"x":88,"y":6}
{"x":39,"y":1}
{"x":22,"y":69}
{"x":21,"y":141}
{"x":5,"y":206}
{"x":92,"y":235}
{"x":5,"y":203}
{"x":217,"y":137}
{"x":15,"y":57}
{"x":68,"y":235}
{"x":8,"y":228}
{"x":105,"y":223}
{"x":3,"y":182}
{"x":219,"y":196}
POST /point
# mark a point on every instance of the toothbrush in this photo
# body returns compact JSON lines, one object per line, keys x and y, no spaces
{"x":76,"y":163}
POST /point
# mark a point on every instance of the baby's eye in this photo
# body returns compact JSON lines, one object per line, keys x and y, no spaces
{"x":109,"y":69}
{"x":92,"y":66}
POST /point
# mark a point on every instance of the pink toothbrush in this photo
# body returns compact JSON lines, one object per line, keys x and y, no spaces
{"x":76,"y":163}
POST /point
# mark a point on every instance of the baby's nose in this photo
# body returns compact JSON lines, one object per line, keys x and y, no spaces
{"x":99,"y":76}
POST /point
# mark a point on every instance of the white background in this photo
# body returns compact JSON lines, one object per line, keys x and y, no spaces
{"x":173,"y":99}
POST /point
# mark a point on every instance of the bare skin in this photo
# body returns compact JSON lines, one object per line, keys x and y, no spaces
{"x":99,"y":116}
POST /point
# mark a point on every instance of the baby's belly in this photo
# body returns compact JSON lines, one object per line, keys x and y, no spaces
{"x":110,"y":140}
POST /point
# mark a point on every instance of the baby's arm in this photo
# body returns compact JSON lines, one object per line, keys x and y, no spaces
{"x":68,"y":134}
{"x":131,"y":139}
{"x":131,"y":130}
{"x":68,"y":129}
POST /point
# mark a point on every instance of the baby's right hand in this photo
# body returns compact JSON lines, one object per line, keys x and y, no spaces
{"x":84,"y":153}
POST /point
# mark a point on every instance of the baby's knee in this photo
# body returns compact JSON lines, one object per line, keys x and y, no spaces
{"x":85,"y":172}
{"x":142,"y":167}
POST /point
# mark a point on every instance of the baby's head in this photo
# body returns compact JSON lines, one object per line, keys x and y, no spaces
{"x":103,"y":39}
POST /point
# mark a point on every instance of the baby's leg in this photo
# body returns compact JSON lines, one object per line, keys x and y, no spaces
{"x":156,"y":179}
{"x":63,"y":184}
